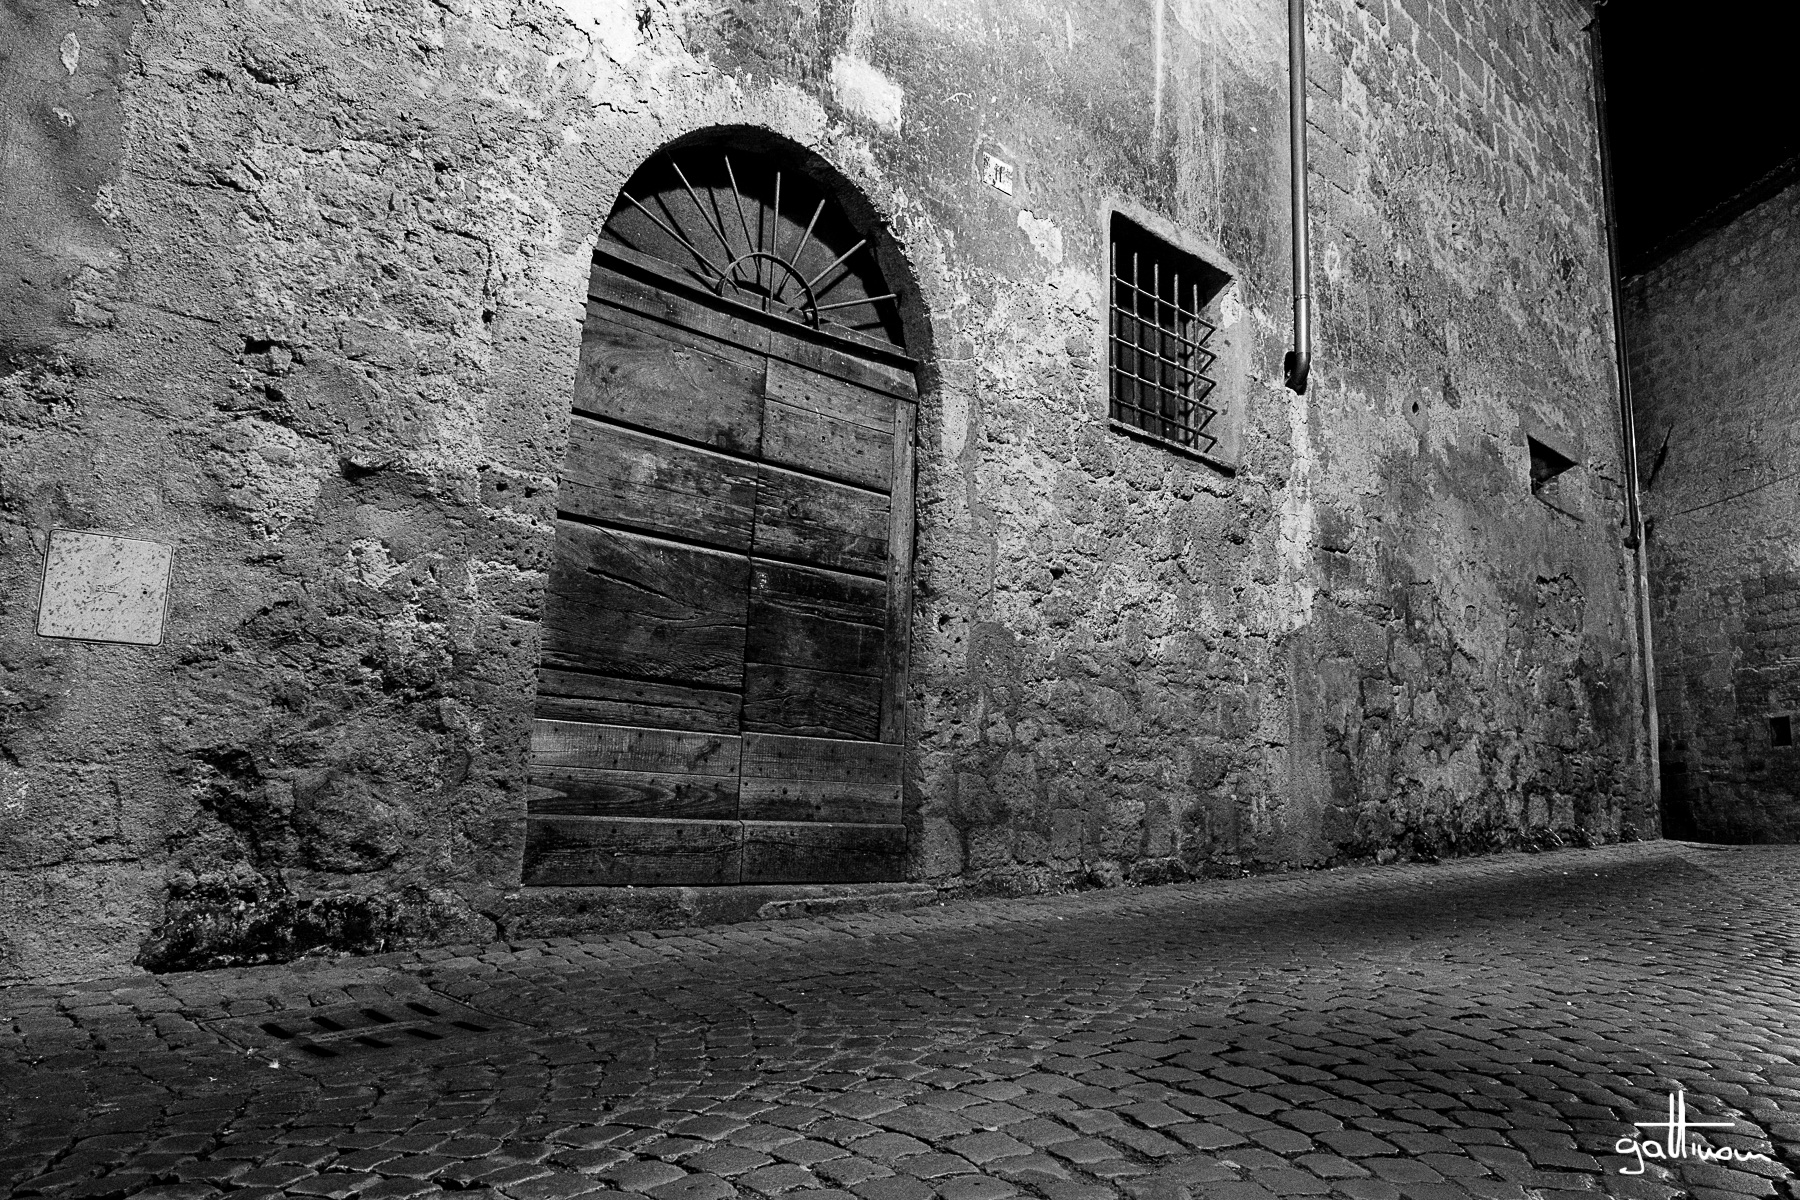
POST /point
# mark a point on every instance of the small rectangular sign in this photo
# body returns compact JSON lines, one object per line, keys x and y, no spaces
{"x":997,"y":174}
{"x":101,"y":588}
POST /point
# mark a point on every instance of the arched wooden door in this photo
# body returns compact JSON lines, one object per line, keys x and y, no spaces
{"x":720,"y":697}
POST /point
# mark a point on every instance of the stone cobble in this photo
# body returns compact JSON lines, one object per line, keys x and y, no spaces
{"x":1486,"y":1028}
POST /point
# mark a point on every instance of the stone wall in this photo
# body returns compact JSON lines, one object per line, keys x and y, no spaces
{"x":303,"y":300}
{"x":1716,"y":373}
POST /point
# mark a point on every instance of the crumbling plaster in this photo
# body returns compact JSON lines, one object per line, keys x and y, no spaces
{"x":311,"y":313}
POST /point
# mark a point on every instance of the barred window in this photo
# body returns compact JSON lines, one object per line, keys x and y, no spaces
{"x":1162,"y":298}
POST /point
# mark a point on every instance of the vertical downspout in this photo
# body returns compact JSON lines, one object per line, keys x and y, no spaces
{"x":1634,"y":524}
{"x":1298,"y":364}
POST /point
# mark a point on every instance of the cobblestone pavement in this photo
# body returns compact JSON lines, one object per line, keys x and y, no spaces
{"x":1488,"y":1028}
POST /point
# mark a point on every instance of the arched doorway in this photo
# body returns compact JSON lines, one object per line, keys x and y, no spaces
{"x":721,"y":690}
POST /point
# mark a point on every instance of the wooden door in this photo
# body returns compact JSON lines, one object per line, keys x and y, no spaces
{"x":720,"y":698}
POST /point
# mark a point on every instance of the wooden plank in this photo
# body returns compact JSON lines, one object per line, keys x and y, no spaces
{"x":816,"y":521}
{"x":900,"y":589}
{"x":681,"y":314}
{"x":633,"y":372}
{"x":826,"y":704}
{"x":772,"y":756}
{"x":872,"y":803}
{"x":874,"y":361}
{"x":794,"y":852}
{"x":607,"y":700}
{"x":624,"y":604}
{"x":819,"y":779}
{"x":790,"y":638}
{"x":830,"y":594}
{"x":630,"y":852}
{"x":563,"y":744}
{"x":845,"y":360}
{"x":746,"y":350}
{"x":574,"y":791}
{"x":828,"y":446}
{"x":820,"y":620}
{"x":657,"y":486}
{"x":827,"y":396}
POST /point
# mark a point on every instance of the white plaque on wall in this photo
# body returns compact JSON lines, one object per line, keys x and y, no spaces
{"x":102,"y":588}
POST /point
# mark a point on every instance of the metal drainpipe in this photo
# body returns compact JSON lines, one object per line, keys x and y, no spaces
{"x":1298,"y":363}
{"x":1634,"y":524}
{"x":1634,"y":527}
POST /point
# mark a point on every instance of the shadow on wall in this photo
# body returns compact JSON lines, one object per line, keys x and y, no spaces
{"x":1754,"y":805}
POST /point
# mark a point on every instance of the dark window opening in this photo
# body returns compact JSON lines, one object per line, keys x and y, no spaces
{"x":1162,"y":316}
{"x":1677,"y":802}
{"x":1546,"y":465}
{"x":1781,"y":731}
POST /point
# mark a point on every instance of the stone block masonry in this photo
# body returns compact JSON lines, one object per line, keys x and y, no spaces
{"x":1716,"y":371}
{"x":298,"y":291}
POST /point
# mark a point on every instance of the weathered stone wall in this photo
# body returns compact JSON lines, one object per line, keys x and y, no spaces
{"x":1461,"y":660}
{"x":1715,"y":364}
{"x":306,"y":305}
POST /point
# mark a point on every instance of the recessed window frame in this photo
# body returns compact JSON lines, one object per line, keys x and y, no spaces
{"x":1554,"y":466}
{"x":1547,"y":463}
{"x":1226,"y":346}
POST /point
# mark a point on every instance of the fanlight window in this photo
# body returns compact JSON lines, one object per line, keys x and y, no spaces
{"x":759,"y":229}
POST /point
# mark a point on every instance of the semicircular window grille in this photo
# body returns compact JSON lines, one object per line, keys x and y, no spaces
{"x":760,"y":231}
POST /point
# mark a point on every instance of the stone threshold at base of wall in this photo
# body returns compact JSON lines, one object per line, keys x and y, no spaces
{"x":571,"y":911}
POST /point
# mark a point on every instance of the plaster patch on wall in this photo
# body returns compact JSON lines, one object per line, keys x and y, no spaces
{"x":269,"y":472}
{"x":1045,"y":237}
{"x":1159,"y":40}
{"x":610,"y":26}
{"x":1231,"y":306}
{"x":861,"y":88}
{"x":102,"y":588}
{"x":1078,"y":289}
{"x":367,"y":562}
{"x":955,"y":435}
{"x":1332,"y":262}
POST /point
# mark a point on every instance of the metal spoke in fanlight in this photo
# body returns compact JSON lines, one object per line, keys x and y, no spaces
{"x":762,"y":274}
{"x":807,"y":236}
{"x":737,"y":198}
{"x":676,"y":234}
{"x":775,"y":223}
{"x":813,"y":282}
{"x":701,"y":208}
{"x":854,"y":303}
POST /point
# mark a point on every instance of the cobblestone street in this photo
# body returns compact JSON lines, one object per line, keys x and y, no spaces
{"x":1485,"y":1028}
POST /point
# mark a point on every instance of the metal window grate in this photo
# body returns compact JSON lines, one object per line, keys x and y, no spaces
{"x":1159,"y":360}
